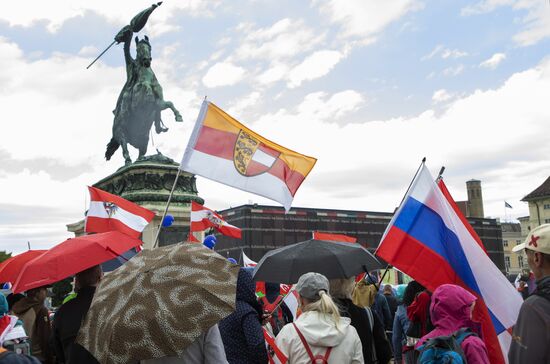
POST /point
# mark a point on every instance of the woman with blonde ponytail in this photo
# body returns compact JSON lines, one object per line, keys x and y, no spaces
{"x":320,"y":335}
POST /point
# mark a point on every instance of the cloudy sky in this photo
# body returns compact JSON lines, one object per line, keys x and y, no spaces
{"x":368,"y":87}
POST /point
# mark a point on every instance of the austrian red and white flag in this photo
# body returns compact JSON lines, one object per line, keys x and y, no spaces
{"x":275,"y":355}
{"x":224,"y":150}
{"x":109,"y":212}
{"x":247,"y":262}
{"x":203,"y":218}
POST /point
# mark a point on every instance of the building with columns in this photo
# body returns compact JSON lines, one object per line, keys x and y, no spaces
{"x":539,"y":205}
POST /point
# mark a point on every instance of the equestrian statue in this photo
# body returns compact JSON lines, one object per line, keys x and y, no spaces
{"x":141,"y":100}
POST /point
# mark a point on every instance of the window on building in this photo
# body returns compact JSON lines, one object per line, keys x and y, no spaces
{"x":547,"y":206}
{"x":547,"y":221}
{"x":505,"y":243}
{"x":518,"y":242}
{"x":507,"y":263}
{"x":520,"y":261}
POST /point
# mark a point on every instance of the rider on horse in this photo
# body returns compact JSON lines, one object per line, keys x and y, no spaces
{"x":140,"y":102}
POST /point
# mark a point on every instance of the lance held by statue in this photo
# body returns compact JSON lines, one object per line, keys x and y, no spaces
{"x":141,"y":100}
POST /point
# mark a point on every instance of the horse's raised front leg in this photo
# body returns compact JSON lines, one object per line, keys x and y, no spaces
{"x":169,"y":105}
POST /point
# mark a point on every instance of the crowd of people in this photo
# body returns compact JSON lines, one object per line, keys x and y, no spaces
{"x":337,"y":321}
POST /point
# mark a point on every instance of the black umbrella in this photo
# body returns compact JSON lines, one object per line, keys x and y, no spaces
{"x":332,"y":259}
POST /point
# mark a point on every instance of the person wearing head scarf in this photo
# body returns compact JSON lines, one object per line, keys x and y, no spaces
{"x":319,"y":332}
{"x":451,"y":310}
{"x":241,"y":332}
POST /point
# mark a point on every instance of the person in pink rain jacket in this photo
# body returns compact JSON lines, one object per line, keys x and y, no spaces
{"x":451,"y":310}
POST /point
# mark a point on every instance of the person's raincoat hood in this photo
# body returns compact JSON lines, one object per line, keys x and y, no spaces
{"x":450,"y":308}
{"x":246,"y":289}
{"x":319,"y":329}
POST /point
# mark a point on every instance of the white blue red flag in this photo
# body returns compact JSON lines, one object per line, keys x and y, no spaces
{"x":430,"y":240}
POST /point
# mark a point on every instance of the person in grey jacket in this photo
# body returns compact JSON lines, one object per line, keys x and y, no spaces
{"x":206,"y":349}
{"x":531,"y":335}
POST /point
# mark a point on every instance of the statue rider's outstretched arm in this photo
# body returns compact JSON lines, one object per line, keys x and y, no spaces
{"x":125,"y":35}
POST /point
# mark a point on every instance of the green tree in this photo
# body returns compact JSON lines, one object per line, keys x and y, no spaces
{"x":4,"y":255}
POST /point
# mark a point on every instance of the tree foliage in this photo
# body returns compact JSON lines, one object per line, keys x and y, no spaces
{"x":4,"y":255}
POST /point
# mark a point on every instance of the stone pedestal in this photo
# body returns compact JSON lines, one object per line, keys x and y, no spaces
{"x":148,"y":182}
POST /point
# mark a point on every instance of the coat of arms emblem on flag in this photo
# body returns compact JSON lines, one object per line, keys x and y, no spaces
{"x":111,"y":208}
{"x":251,"y":157}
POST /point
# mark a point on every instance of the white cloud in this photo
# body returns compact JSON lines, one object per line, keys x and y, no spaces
{"x":453,"y":71}
{"x":26,"y":13}
{"x":367,"y":18}
{"x":348,"y":177}
{"x":453,"y":53}
{"x":444,"y":53}
{"x":494,"y":61}
{"x":484,"y":6}
{"x":536,"y":21}
{"x":314,"y":66}
{"x":223,"y":74}
{"x":441,"y":95}
{"x":317,"y":106}
{"x":275,"y":73}
{"x":285,"y":39}
{"x":243,"y":103}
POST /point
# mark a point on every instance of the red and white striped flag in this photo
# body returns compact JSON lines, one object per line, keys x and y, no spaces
{"x":203,"y":218}
{"x":109,"y":212}
{"x":275,"y":354}
{"x":247,"y":262}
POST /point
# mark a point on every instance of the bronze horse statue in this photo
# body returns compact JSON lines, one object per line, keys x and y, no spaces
{"x":140,"y":102}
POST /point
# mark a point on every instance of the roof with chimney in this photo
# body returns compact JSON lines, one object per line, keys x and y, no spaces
{"x":541,"y":191}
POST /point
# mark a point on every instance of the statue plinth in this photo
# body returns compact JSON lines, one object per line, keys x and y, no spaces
{"x":148,"y":182}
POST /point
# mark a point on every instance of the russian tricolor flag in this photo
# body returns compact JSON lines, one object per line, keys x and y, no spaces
{"x":430,"y":240}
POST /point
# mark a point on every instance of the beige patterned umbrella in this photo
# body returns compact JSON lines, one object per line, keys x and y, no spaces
{"x":158,"y":303}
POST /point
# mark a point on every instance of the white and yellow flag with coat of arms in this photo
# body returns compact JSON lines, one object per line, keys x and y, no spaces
{"x":222,"y":149}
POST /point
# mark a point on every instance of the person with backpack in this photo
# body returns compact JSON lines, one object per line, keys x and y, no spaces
{"x":319,"y":335}
{"x":455,"y":335}
{"x":376,"y":347}
{"x":416,"y":300}
{"x":531,"y":335}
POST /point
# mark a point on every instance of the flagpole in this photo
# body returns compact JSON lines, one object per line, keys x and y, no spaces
{"x":383,"y":276}
{"x":440,"y":175}
{"x":281,"y":302}
{"x":403,"y":199}
{"x":166,"y":208}
{"x":412,"y":180}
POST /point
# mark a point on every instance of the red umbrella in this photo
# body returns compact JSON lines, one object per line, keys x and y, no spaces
{"x":10,"y":268}
{"x":73,"y":256}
